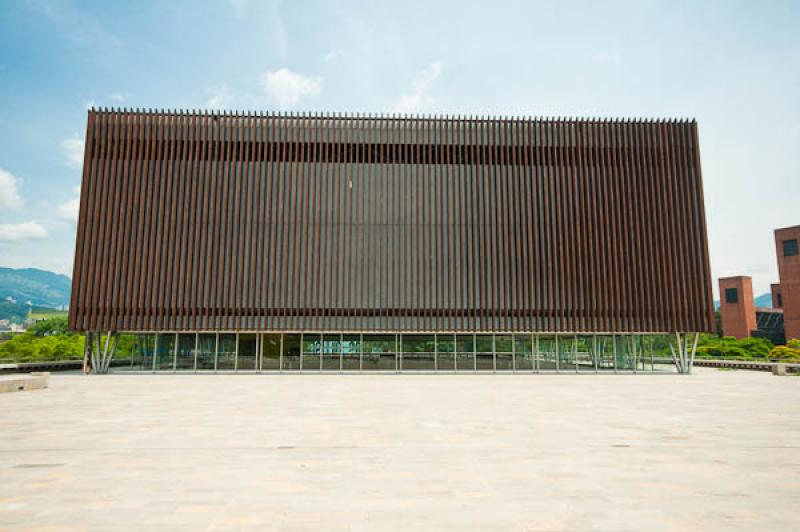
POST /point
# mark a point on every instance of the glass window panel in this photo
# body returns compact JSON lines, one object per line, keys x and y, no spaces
{"x":523,"y":352}
{"x":379,"y":353}
{"x":331,"y":352}
{"x":331,"y":343}
{"x":484,"y":362}
{"x":291,"y":352}
{"x":418,"y":353}
{"x":126,"y":351}
{"x":312,"y":345}
{"x":144,"y":347}
{"x":226,"y":357}
{"x":625,"y":352}
{"x":790,"y":248}
{"x":605,"y":352}
{"x":504,"y":360}
{"x":387,"y":362}
{"x":484,"y":343}
{"x":465,"y":343}
{"x":546,"y":353}
{"x":639,"y":355}
{"x":446,"y":343}
{"x":247,"y":352}
{"x":584,"y":353}
{"x":350,"y":352}
{"x":503,"y":343}
{"x":731,"y":295}
{"x":418,"y":362}
{"x":659,"y":354}
{"x":485,"y":357}
{"x":271,"y":352}
{"x":186,"y":349}
{"x":166,"y":352}
{"x":465,"y":357}
{"x":446,"y":358}
{"x":566,"y":353}
{"x":136,"y":356}
{"x":205,"y":357}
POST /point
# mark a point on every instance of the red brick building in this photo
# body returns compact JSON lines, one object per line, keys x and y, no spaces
{"x":786,"y":294}
{"x":736,"y":306}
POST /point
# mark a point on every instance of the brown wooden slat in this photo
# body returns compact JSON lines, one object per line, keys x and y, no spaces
{"x":236,"y":222}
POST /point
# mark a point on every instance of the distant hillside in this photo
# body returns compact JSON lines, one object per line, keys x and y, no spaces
{"x":39,"y":287}
{"x":763,"y":301}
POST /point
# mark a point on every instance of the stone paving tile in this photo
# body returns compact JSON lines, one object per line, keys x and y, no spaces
{"x":712,"y":451}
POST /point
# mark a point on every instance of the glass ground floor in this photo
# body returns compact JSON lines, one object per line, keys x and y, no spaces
{"x":356,"y":352}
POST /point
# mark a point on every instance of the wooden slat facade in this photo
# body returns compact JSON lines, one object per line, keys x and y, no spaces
{"x":301,"y":222}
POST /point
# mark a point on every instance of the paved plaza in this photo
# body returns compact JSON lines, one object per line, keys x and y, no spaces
{"x":717,"y":450}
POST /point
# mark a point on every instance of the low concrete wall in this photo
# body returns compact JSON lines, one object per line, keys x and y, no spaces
{"x":29,"y":367}
{"x":748,"y":364}
{"x":19,"y":383}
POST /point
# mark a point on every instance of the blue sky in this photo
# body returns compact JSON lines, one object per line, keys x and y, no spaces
{"x":734,"y":66}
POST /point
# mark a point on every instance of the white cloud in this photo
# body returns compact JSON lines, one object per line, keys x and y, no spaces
{"x":9,"y":190}
{"x":607,"y":57}
{"x":89,"y":104}
{"x":286,"y":88}
{"x":69,"y":209}
{"x":23,"y":231}
{"x":73,"y":149}
{"x":219,"y":97}
{"x":418,"y":97}
{"x":117,"y":97}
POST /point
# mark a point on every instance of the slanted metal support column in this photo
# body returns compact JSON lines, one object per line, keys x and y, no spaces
{"x":101,"y":357}
{"x":682,"y":354}
{"x":694,"y":351}
{"x":87,"y":349}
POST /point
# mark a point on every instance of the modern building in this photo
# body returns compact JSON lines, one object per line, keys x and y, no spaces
{"x":740,"y":318}
{"x":737,"y":307}
{"x":786,"y":294}
{"x":288,"y":242}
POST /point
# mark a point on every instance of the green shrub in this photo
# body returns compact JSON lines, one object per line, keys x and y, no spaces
{"x":786,"y":353}
{"x":56,"y":325}
{"x":730,"y":348}
{"x":51,"y":340}
{"x":28,"y":347}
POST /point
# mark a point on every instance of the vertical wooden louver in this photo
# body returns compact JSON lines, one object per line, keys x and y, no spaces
{"x":293,"y":222}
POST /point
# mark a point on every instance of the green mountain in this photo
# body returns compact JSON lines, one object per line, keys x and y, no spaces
{"x":762,"y":301}
{"x":39,"y":287}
